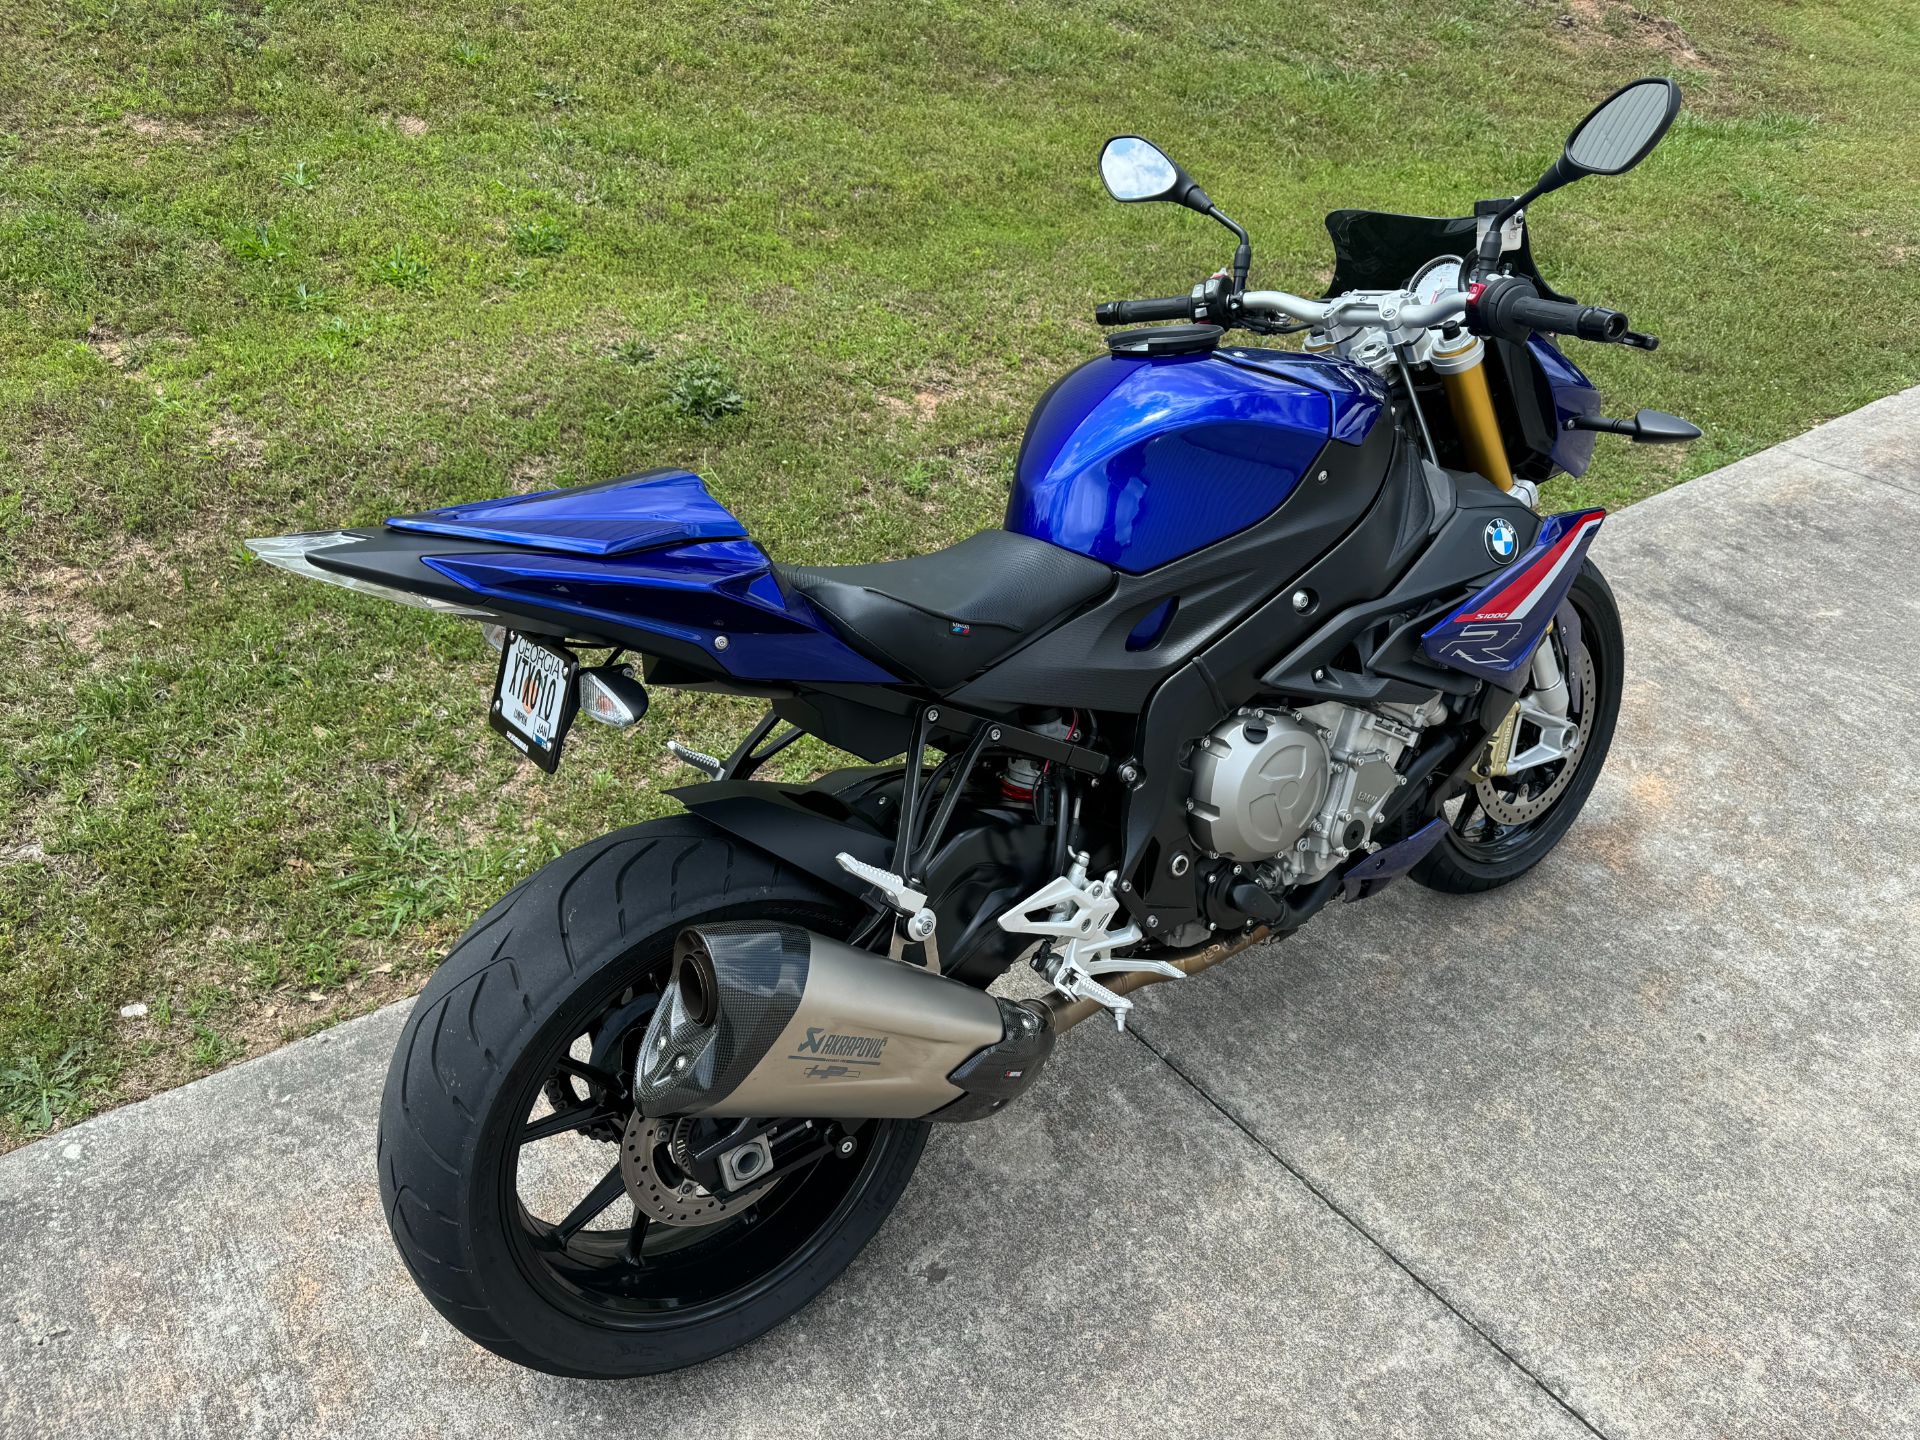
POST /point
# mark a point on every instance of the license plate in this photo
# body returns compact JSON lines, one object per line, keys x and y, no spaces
{"x":534,"y":698}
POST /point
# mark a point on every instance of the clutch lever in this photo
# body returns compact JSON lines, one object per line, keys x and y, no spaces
{"x":1639,"y":339}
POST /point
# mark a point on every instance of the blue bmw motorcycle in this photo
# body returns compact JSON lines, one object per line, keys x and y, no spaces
{"x":1264,"y":626}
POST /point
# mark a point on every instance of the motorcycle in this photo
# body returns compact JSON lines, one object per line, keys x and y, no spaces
{"x":1263,"y":626}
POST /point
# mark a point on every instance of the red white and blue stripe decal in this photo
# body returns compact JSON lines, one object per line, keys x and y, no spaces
{"x":1493,"y":635}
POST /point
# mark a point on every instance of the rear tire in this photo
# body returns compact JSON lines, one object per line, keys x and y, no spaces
{"x":1463,"y":863}
{"x":481,"y":1049}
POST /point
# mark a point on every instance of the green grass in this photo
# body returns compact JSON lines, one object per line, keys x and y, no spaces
{"x":274,"y":266}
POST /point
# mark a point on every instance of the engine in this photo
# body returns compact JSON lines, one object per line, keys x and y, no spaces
{"x":1299,"y":790}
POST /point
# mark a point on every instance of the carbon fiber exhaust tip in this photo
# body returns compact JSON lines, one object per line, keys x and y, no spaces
{"x":774,"y":1020}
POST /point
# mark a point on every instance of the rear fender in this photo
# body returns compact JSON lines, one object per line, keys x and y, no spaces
{"x":803,"y":825}
{"x":989,"y":859}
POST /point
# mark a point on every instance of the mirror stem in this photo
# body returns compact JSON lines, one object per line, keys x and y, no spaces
{"x":1243,"y":253}
{"x":1558,"y":174}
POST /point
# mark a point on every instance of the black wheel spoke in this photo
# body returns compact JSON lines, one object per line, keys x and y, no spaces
{"x":1469,"y":802}
{"x":561,"y":1121}
{"x":610,"y":1189}
{"x":602,"y":1080}
{"x":630,"y":1252}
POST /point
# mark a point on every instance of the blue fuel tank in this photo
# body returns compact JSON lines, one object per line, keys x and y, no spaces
{"x":1138,"y":460}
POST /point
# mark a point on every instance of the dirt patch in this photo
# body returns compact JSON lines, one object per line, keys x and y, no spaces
{"x":110,"y":346}
{"x":1604,"y":23}
{"x":63,"y":596}
{"x":922,"y":406}
{"x":57,"y":595}
{"x":153,"y":127}
{"x":987,"y":385}
{"x":412,"y":126}
{"x":531,"y":473}
{"x":238,"y":444}
{"x":127,"y":354}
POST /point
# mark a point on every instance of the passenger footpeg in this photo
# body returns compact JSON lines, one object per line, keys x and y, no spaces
{"x":918,"y":922}
{"x":706,"y":764}
{"x":1073,"y":915}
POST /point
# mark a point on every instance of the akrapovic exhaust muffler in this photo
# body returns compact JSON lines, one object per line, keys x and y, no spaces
{"x":774,"y":1020}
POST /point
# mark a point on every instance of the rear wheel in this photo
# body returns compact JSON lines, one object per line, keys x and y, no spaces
{"x":507,"y":1117}
{"x":1504,"y":825}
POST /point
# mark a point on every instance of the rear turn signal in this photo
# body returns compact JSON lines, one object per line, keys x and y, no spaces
{"x":612,"y":696}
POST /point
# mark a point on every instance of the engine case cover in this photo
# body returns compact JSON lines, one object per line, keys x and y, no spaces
{"x":1259,"y":778}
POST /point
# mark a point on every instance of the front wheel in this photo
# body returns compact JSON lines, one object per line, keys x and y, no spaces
{"x":1501,"y":826}
{"x":507,"y":1110}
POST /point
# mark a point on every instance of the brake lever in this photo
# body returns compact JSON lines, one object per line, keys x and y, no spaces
{"x":1639,"y":339}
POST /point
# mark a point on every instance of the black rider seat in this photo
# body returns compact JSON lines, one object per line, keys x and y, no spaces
{"x":943,"y":618}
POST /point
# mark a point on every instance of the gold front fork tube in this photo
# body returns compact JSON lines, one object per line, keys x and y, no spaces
{"x":1464,"y":375}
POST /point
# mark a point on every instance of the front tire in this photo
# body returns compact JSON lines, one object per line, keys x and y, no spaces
{"x":536,"y":1009}
{"x":1482,"y":850}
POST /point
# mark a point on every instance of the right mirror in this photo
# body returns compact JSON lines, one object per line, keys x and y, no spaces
{"x":1623,"y":128}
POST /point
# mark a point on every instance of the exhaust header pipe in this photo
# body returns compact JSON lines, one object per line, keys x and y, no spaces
{"x":774,"y":1020}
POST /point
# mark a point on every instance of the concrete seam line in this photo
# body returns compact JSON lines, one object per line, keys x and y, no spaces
{"x":1367,"y":1235}
{"x":1791,"y":447}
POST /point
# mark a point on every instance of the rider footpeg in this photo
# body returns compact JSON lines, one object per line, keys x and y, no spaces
{"x":1073,"y":915}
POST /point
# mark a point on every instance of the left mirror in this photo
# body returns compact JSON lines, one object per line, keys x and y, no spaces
{"x":1134,"y":169}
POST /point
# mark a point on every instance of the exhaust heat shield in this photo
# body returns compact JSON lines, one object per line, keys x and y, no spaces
{"x":773,"y":1020}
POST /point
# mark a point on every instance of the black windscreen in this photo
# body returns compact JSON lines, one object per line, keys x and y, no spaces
{"x":1375,"y":250}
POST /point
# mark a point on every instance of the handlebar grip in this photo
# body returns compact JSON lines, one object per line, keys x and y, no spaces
{"x":1138,"y":312}
{"x":1511,"y":308}
{"x":1586,"y":322}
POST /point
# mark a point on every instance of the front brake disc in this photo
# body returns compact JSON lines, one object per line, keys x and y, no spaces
{"x":1520,"y":807}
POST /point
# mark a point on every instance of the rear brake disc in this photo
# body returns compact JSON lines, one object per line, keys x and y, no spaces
{"x":660,"y":1190}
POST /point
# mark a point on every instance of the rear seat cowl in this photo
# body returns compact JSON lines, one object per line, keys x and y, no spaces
{"x":617,"y":517}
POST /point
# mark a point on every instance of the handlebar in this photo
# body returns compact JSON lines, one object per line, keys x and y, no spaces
{"x":1508,"y":307}
{"x":1138,"y":312}
{"x":1396,"y":309}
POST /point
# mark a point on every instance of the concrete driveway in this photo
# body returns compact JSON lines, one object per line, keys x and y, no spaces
{"x":1631,"y":1148}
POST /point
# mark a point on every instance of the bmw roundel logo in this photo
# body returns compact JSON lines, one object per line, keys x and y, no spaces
{"x":1503,"y":541}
